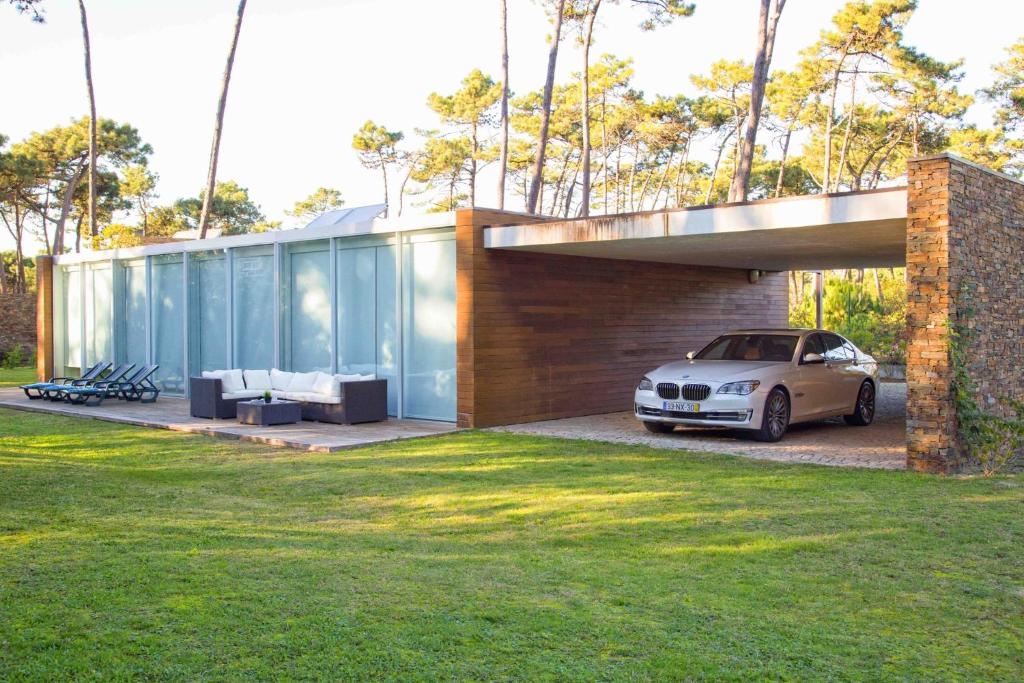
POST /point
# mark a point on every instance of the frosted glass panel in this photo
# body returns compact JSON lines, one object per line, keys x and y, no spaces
{"x":306,"y":328}
{"x":387,"y":323}
{"x":73,"y":319}
{"x":168,"y":323}
{"x":99,"y":288}
{"x":367,"y":337}
{"x":131,"y":347}
{"x":429,"y":367}
{"x":253,"y":303}
{"x":208,"y":312}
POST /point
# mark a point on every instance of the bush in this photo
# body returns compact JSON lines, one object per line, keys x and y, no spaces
{"x":15,"y":358}
{"x":877,"y":325}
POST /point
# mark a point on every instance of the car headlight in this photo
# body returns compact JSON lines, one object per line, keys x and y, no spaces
{"x":740,"y":388}
{"x":646,"y":384}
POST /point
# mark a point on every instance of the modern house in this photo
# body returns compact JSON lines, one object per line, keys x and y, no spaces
{"x":485,"y":317}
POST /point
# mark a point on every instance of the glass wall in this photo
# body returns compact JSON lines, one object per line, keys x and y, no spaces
{"x":367,"y":323}
{"x":429,"y":327}
{"x":347,"y":305}
{"x":306,"y":306}
{"x":70,"y":322}
{"x":208,"y":311}
{"x":131,"y":312}
{"x":99,"y":323}
{"x":169,"y":322}
{"x":253,"y":311}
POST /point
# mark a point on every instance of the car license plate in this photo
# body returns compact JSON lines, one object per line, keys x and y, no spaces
{"x":681,"y":407}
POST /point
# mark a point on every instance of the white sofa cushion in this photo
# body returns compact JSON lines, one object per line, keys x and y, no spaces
{"x":367,"y":378}
{"x":327,"y":385}
{"x":348,"y":378}
{"x":280,"y":380}
{"x":244,"y":393}
{"x":310,"y":397}
{"x":302,"y":381}
{"x":232,"y":381}
{"x":213,"y":374}
{"x":257,"y":379}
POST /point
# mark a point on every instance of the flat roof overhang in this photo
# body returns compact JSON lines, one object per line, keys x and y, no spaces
{"x":846,"y":230}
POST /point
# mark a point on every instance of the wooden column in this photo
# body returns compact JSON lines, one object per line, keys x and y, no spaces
{"x":44,"y":318}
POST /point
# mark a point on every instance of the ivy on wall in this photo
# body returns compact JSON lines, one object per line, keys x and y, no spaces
{"x":992,"y":439}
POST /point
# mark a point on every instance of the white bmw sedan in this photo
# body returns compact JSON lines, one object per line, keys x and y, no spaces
{"x":762,"y":381}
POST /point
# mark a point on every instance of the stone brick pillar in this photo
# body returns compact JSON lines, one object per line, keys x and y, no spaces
{"x":965,"y":233}
{"x":44,"y":318}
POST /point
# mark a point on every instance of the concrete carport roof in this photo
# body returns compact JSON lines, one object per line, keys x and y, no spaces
{"x":845,"y":230}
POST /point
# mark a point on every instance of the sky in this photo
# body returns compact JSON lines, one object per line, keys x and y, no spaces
{"x":308,"y":73}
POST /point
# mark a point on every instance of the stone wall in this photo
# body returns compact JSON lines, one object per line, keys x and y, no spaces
{"x":965,"y":250}
{"x":18,"y":323}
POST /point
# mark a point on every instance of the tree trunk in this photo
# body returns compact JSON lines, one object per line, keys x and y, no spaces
{"x":570,"y":189}
{"x":78,"y":233}
{"x":782,"y":163}
{"x":878,"y":284}
{"x":472,"y":169}
{"x":92,"y":119}
{"x":827,"y":171}
{"x":604,"y":148}
{"x":384,"y":176}
{"x":413,"y":160}
{"x":545,"y":114}
{"x":144,"y":210}
{"x":211,"y":176}
{"x":714,"y":169}
{"x":503,"y":155}
{"x":849,"y":126}
{"x":19,"y":250}
{"x":45,"y":216}
{"x":585,"y":107}
{"x":65,"y":209}
{"x":632,"y":173}
{"x":762,"y":62}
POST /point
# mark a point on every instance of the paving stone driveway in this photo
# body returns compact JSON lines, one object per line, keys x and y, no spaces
{"x":829,"y":442}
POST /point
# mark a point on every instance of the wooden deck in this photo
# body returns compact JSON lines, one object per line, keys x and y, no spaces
{"x":173,"y":414}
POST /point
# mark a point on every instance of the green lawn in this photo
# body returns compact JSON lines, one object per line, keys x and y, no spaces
{"x":128,"y":553}
{"x":17,"y":376}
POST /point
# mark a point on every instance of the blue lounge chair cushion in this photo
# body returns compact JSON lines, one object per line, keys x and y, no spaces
{"x":39,"y":385}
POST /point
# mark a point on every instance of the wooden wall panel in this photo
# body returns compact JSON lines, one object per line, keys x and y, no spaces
{"x":543,"y":336}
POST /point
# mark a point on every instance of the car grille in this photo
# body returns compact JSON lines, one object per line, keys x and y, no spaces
{"x":669,"y":391}
{"x":696,"y":392}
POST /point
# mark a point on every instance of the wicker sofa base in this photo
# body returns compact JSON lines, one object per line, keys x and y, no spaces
{"x":365,"y":401}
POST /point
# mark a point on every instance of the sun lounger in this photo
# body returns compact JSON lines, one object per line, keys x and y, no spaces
{"x":139,"y":386}
{"x":94,"y":392}
{"x":38,"y":390}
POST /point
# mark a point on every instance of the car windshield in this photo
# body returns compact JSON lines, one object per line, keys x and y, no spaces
{"x":777,"y":348}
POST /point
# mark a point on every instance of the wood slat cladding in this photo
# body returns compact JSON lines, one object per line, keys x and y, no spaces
{"x":544,"y":336}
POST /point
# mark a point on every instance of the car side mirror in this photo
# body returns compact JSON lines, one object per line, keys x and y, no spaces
{"x":811,"y":358}
{"x":690,"y":355}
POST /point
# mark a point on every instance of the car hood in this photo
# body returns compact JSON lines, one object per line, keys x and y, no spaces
{"x":711,"y":370}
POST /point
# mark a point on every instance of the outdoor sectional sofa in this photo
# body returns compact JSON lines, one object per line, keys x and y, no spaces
{"x":339,"y":399}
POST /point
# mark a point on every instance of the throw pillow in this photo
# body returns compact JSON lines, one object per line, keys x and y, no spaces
{"x":232,"y":381}
{"x":257,"y":379}
{"x":326,"y":384}
{"x":302,"y":381}
{"x":280,"y":380}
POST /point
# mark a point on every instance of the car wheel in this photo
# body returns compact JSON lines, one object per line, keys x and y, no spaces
{"x":659,"y":427}
{"x":775,"y":419}
{"x":864,"y":410}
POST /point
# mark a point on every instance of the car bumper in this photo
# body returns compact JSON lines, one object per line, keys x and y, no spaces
{"x":718,"y":410}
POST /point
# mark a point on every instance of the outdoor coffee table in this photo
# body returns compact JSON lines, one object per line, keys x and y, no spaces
{"x":264,"y":414}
